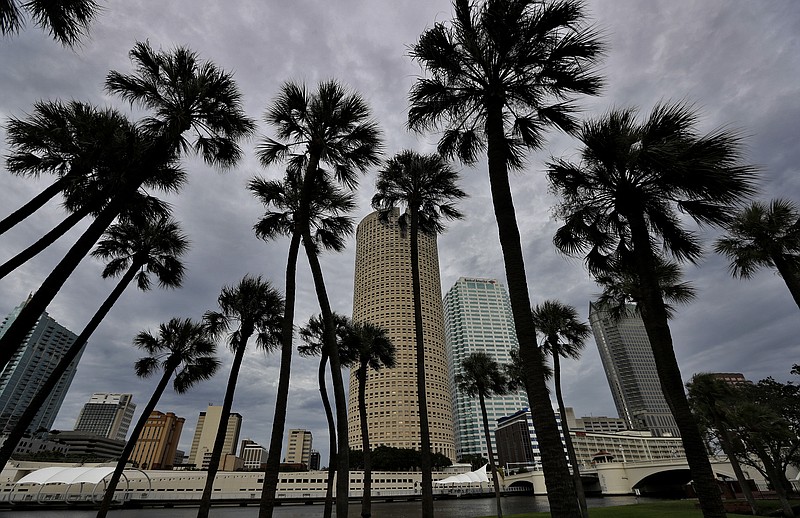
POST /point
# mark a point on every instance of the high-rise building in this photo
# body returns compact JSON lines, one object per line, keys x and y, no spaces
{"x":298,"y":447}
{"x":157,"y":443}
{"x":29,"y":368}
{"x":107,"y":415}
{"x":517,"y":443}
{"x":206,"y":432}
{"x":253,"y":455}
{"x":314,"y":460}
{"x":631,"y":371}
{"x":477,"y":318}
{"x":383,"y":296}
{"x":734,"y":379}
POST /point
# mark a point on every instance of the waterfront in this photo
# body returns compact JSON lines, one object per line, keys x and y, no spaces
{"x":455,"y":508}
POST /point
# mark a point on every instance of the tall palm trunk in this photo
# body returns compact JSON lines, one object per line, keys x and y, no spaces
{"x":573,"y":459}
{"x":219,"y":440}
{"x":46,"y":240}
{"x":12,"y":340}
{"x":560,"y":489}
{"x":727,"y":443}
{"x":419,"y":338}
{"x":169,"y":370}
{"x":790,"y":276}
{"x":14,"y":436}
{"x":654,"y":316}
{"x":339,"y":397}
{"x":326,"y":404}
{"x":36,"y":203}
{"x":366,"y":499}
{"x":492,"y":463}
{"x":270,"y":486}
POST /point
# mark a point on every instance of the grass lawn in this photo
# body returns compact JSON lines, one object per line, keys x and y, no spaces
{"x":666,"y":509}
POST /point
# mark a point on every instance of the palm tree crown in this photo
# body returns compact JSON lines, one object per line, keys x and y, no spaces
{"x":522,"y":57}
{"x":312,"y":334}
{"x":65,"y":20}
{"x":426,"y":184}
{"x":481,"y":374}
{"x":563,"y":332}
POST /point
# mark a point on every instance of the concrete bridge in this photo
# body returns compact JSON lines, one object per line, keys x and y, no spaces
{"x":659,"y":477}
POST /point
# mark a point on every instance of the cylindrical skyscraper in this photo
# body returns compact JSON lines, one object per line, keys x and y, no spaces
{"x":383,"y":296}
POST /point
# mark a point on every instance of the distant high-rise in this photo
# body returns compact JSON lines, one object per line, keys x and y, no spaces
{"x":477,"y":318}
{"x":631,"y":371}
{"x":29,"y":368}
{"x":298,"y":447}
{"x":107,"y":415}
{"x":156,"y":446}
{"x":206,"y":431}
{"x":253,"y":455}
{"x":383,"y":296}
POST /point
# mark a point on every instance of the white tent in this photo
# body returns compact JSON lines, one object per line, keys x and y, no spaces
{"x":70,"y":476}
{"x":473,"y":477}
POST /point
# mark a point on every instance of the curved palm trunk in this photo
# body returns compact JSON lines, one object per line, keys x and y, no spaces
{"x":424,"y":427}
{"x":13,"y":437}
{"x":654,"y":316}
{"x":219,"y":440}
{"x":488,"y":437}
{"x":12,"y":340}
{"x":560,"y":489}
{"x":339,"y":397}
{"x":366,"y":499}
{"x":326,"y":404}
{"x":573,"y":459}
{"x":726,"y":441}
{"x":43,"y":242}
{"x":790,"y":277}
{"x":36,"y":203}
{"x":270,"y":486}
{"x":777,"y":479}
{"x":126,"y":453}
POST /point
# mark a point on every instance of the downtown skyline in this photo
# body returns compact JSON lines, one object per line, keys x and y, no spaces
{"x":733,"y":59}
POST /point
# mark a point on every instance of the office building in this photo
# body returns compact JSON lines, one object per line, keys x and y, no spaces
{"x":631,"y":371}
{"x":733,"y":379}
{"x":107,"y":415}
{"x":253,"y":455}
{"x":477,"y":318}
{"x":89,"y":446}
{"x":517,"y":444}
{"x":28,"y":370}
{"x":383,"y":296}
{"x":206,"y":432}
{"x":298,"y":447}
{"x":314,"y":461}
{"x":157,"y":445}
{"x":599,"y":424}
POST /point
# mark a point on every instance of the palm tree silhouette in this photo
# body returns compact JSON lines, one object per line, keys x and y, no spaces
{"x":500,"y":73}
{"x":426,"y":186}
{"x":765,"y":236}
{"x":66,"y":20}
{"x":620,"y":206}
{"x":134,"y":249}
{"x":180,"y":346}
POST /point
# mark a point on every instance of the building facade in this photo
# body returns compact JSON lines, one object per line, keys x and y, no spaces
{"x":383,"y":296}
{"x":29,"y":368}
{"x":630,"y":368}
{"x":253,"y":455}
{"x":107,"y":415}
{"x":298,"y":447}
{"x":206,"y":431}
{"x":157,"y":444}
{"x":477,"y":318}
{"x":517,"y":443}
{"x":599,"y":424}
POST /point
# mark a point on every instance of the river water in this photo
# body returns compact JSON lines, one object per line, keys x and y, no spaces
{"x":456,"y":508}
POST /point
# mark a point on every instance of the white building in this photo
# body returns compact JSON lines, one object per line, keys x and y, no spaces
{"x":252,"y":454}
{"x":29,"y":368}
{"x":477,"y":314}
{"x":107,"y":415}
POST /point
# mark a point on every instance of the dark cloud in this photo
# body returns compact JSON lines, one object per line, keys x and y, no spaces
{"x":737,"y":60}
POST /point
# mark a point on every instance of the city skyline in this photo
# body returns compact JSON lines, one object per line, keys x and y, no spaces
{"x":734,"y":59}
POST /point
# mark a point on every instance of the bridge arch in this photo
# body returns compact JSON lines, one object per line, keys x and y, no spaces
{"x":665,"y":483}
{"x":523,"y":485}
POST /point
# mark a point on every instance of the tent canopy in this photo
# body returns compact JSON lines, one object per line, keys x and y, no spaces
{"x":473,"y":477}
{"x":67,"y":475}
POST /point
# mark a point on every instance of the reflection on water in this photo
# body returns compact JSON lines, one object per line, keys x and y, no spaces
{"x":457,"y":508}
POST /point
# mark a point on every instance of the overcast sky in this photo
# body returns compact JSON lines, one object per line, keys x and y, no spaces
{"x":738,"y":61}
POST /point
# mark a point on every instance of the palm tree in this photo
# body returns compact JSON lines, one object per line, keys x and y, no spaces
{"x":620,"y":206}
{"x":312,"y":336}
{"x":482,"y":376}
{"x":500,"y":73}
{"x":66,"y":20}
{"x":426,"y":186}
{"x":257,"y":308}
{"x":137,"y":247}
{"x":180,"y":346}
{"x":708,"y":397}
{"x":368,"y":346}
{"x":564,"y":336}
{"x":185,"y":95}
{"x":330,"y":127}
{"x":765,"y":236}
